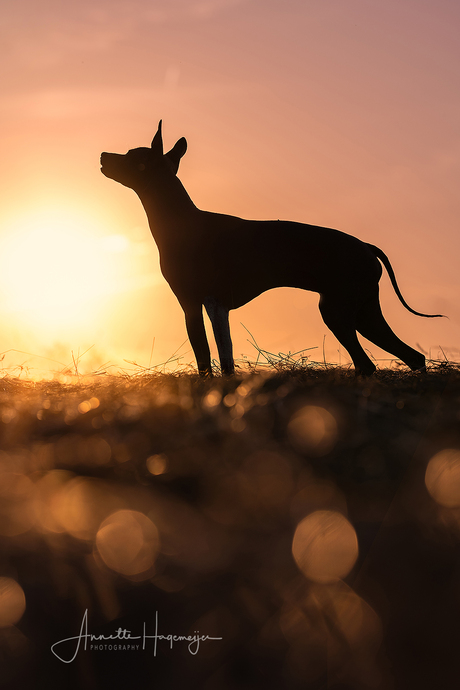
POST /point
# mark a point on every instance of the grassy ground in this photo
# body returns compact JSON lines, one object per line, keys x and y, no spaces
{"x":132,"y":497}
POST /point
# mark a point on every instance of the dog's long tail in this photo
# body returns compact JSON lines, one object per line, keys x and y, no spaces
{"x":386,"y":262}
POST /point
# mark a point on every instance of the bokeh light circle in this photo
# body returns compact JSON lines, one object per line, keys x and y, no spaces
{"x":442,"y":477}
{"x":128,"y":542}
{"x":12,"y":602}
{"x":313,"y":430}
{"x":325,"y":546}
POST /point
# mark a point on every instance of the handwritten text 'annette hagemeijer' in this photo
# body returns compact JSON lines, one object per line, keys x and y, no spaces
{"x":122,"y":639}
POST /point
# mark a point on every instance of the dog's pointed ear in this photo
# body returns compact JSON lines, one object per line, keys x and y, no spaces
{"x":176,"y":153}
{"x":157,"y":141}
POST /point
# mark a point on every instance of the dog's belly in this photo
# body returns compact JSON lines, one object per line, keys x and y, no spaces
{"x":315,"y":271}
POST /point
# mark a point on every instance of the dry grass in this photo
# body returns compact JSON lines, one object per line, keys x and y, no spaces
{"x":216,"y":467}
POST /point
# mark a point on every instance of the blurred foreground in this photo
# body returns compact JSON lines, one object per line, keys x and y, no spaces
{"x":307,"y":521}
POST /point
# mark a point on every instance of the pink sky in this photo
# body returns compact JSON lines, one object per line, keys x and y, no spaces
{"x":341,"y":113}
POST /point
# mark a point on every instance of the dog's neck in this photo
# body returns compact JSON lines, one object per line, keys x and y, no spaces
{"x":168,"y":207}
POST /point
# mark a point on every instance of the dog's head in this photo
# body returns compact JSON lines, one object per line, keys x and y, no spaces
{"x":138,"y":167}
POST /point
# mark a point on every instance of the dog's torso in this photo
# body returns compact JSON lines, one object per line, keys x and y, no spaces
{"x":244,"y":258}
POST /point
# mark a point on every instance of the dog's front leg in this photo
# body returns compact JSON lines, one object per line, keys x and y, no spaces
{"x":197,"y":336}
{"x":221,"y":328}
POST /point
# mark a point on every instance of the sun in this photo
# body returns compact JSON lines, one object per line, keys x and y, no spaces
{"x":56,"y":268}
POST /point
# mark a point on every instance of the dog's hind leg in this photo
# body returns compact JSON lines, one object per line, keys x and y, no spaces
{"x":371,"y":324}
{"x":221,"y":328}
{"x":339,"y":314}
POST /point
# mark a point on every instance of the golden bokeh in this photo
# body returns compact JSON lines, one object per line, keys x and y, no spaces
{"x":325,"y":546}
{"x":12,"y":602}
{"x":65,"y":502}
{"x":212,"y":399}
{"x":128,"y":542}
{"x":49,"y":500}
{"x":84,"y":407}
{"x":157,"y":464}
{"x":313,"y":430}
{"x":442,"y":477}
{"x":88,"y":405}
{"x":81,"y":505}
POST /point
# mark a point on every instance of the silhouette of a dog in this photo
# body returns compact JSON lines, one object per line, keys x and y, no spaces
{"x":223,"y":262}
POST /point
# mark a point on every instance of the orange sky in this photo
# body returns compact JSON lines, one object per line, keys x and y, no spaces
{"x":343,"y":113}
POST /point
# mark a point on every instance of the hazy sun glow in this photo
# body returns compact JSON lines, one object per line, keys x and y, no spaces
{"x":56,"y":266}
{"x":354,"y":129}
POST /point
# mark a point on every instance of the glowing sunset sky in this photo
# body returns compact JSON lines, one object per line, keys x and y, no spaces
{"x":342,"y":113}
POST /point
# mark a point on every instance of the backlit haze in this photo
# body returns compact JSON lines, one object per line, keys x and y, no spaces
{"x":342,"y":113}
